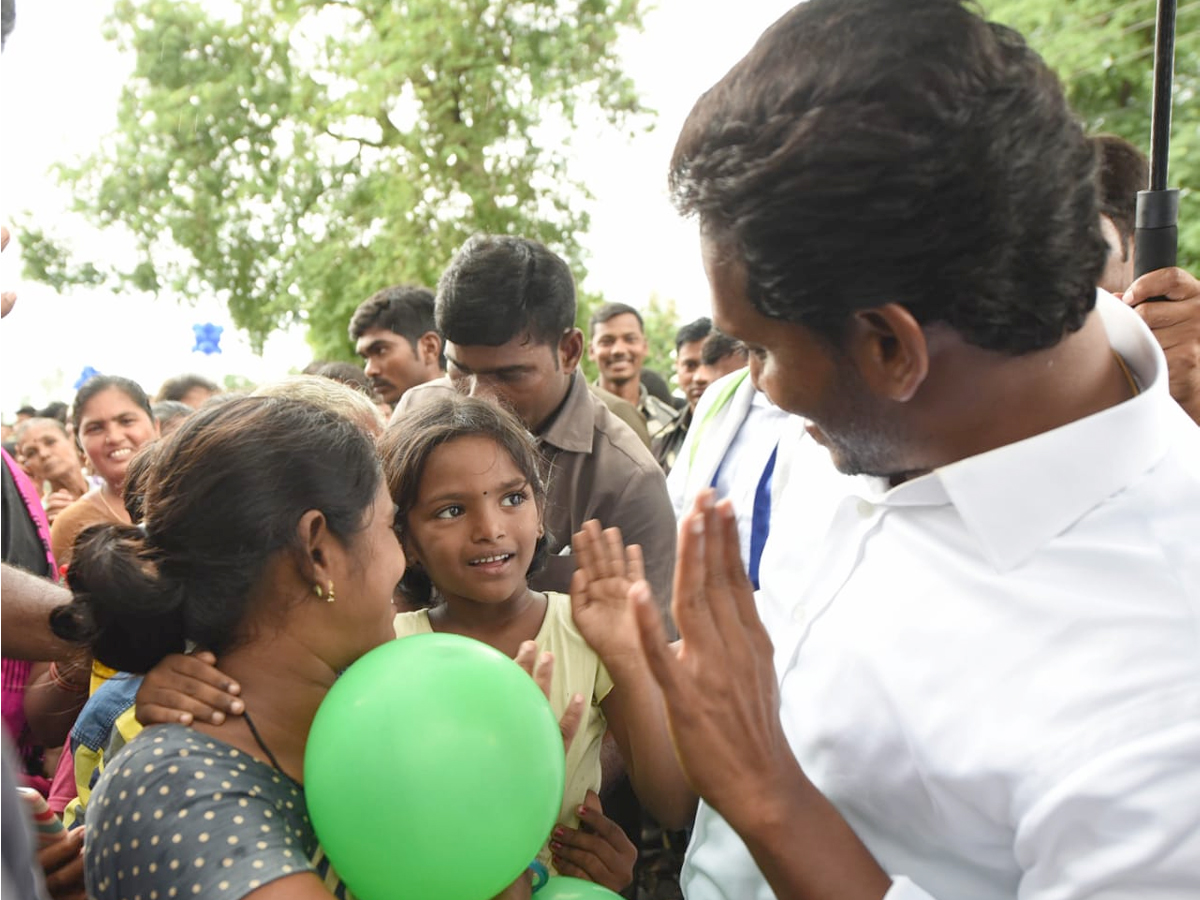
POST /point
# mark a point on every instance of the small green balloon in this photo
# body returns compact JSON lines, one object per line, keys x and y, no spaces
{"x":561,"y":887}
{"x":434,"y":768}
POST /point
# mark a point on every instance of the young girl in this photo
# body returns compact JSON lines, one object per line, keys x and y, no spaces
{"x":465,"y":478}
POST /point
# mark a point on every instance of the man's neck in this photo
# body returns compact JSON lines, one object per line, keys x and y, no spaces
{"x":980,"y":400}
{"x":569,"y":383}
{"x":629,"y":390}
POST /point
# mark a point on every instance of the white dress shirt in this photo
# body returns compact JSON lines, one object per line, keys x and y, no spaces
{"x":993,"y":671}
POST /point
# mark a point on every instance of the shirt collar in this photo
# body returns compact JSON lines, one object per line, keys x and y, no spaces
{"x":572,"y":427}
{"x":1018,"y":497}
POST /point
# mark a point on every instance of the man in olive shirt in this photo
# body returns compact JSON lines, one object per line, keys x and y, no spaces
{"x":506,"y":310}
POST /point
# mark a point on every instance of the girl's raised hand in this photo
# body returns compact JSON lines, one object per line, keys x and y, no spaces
{"x":600,"y":604}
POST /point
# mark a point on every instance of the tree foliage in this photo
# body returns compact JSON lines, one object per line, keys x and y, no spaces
{"x":295,"y":156}
{"x":1103,"y":51}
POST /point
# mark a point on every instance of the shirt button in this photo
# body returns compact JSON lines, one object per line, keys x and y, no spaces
{"x":866,"y":508}
{"x":798,"y":614}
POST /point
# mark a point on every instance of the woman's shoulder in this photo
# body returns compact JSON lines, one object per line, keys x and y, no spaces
{"x":170,"y":754}
{"x":73,"y":519}
{"x":176,"y":806}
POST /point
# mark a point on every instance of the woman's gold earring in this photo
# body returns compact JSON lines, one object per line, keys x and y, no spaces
{"x":320,"y":593}
{"x":331,"y":597}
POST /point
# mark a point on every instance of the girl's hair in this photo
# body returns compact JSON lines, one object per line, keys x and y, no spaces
{"x":99,"y":383}
{"x":223,"y":495}
{"x":407,"y":445}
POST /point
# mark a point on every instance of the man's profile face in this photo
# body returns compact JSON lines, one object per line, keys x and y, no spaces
{"x":800,"y":373}
{"x":687,"y":363}
{"x":619,"y":348}
{"x":710,"y":372}
{"x":529,"y":378}
{"x":390,"y":362}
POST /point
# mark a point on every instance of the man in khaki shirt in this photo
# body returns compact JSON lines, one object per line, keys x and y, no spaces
{"x":506,"y":310}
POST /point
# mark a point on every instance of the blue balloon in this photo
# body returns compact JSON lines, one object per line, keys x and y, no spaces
{"x":208,"y":338}
{"x":85,"y":376}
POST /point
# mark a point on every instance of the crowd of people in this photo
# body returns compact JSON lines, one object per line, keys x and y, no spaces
{"x":893,"y":591}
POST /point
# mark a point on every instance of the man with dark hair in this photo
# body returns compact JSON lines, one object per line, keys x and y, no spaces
{"x":1121,"y":171}
{"x":394,"y":332}
{"x":974,"y":672}
{"x":618,"y":346}
{"x":688,"y":341}
{"x":191,"y":390}
{"x":720,"y":354}
{"x":506,"y":307}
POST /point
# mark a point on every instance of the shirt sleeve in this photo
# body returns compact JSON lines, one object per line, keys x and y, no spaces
{"x":204,"y":824}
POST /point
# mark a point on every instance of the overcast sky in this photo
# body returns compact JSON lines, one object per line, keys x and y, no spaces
{"x":59,"y":83}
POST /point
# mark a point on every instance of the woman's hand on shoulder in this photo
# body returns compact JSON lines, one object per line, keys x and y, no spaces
{"x":185,"y":687}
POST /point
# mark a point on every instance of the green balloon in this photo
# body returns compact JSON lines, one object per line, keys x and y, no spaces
{"x":434,"y":768}
{"x":560,"y":887}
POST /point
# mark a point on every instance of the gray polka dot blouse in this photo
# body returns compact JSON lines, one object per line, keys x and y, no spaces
{"x":178,"y":814}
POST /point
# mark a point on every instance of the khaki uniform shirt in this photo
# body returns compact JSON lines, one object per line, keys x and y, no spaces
{"x":596,"y":468}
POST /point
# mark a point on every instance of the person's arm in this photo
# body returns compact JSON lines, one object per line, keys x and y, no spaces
{"x":1175,"y":322}
{"x":633,"y":707}
{"x":25,"y":613}
{"x":183,"y":688}
{"x":597,"y":851}
{"x":722,"y":702}
{"x":54,"y":696}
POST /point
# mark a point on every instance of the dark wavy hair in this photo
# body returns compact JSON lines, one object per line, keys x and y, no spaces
{"x":870,"y":151}
{"x":222,"y":495}
{"x":499,"y":287}
{"x":405,"y":449}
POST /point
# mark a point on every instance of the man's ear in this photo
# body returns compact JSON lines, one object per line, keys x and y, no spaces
{"x":570,"y":350}
{"x":889,"y":349}
{"x":429,"y":348}
{"x":314,"y":540}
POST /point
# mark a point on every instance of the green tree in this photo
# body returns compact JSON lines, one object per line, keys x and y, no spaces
{"x":294,"y":156}
{"x":1103,"y":50}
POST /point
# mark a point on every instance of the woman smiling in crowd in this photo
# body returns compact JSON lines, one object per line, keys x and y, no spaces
{"x":112,"y":421}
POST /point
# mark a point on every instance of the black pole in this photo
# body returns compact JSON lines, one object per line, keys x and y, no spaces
{"x":1157,"y":231}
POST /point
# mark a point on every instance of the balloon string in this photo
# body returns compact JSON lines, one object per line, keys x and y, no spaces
{"x":262,"y":745}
